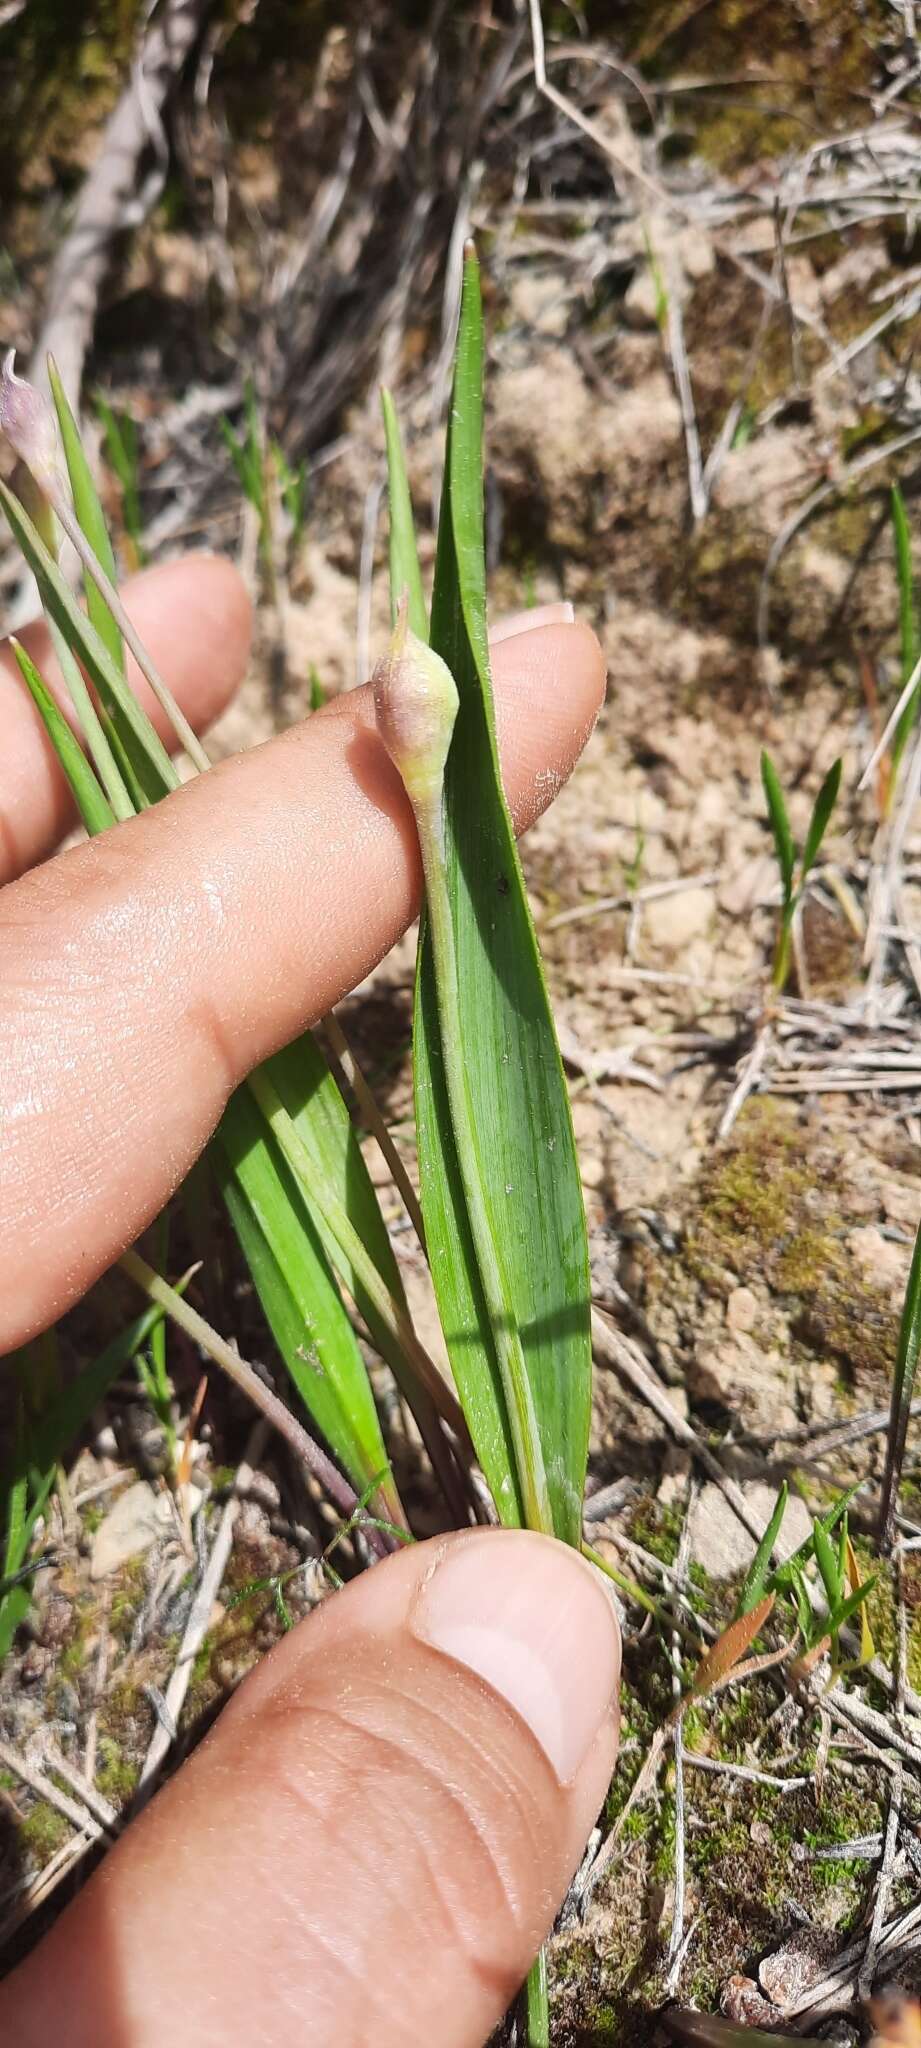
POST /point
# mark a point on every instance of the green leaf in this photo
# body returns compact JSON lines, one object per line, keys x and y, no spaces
{"x":780,"y":825}
{"x":115,"y":693}
{"x":121,"y":445}
{"x":904,"y":1373}
{"x":405,"y":573}
{"x":827,"y":1561}
{"x":302,"y":1304}
{"x":518,"y":1095}
{"x":93,"y":806}
{"x":908,"y":623}
{"x":136,"y":770}
{"x":818,"y":824}
{"x":843,"y":1610}
{"x":755,"y":1584}
{"x":91,"y":517}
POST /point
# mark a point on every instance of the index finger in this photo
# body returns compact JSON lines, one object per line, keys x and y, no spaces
{"x":194,"y":616}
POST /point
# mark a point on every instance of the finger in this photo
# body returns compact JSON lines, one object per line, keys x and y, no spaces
{"x":373,"y":1842}
{"x":194,"y":616}
{"x":144,"y":974}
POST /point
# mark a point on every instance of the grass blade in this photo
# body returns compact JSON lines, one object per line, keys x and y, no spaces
{"x":754,"y":1587}
{"x":90,"y":515}
{"x":92,"y":804}
{"x":908,"y":624}
{"x":302,"y":1304}
{"x":903,"y":1382}
{"x":405,"y":573}
{"x":780,"y":824}
{"x":115,"y":693}
{"x":518,"y":1095}
{"x":821,"y":812}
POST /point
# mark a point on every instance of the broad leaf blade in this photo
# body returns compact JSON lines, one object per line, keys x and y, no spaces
{"x":405,"y":573}
{"x":780,"y":824}
{"x":519,"y":1099}
{"x":298,"y":1293}
{"x":818,"y":824}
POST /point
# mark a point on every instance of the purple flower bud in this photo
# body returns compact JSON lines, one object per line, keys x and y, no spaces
{"x":415,"y":699}
{"x":27,"y":420}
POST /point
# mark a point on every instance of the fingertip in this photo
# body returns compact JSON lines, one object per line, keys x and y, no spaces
{"x":196,"y":614}
{"x":550,"y":687}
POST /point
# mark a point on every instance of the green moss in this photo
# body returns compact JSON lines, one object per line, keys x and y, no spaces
{"x":116,"y":1775}
{"x":766,"y":1206}
{"x":44,"y":1832}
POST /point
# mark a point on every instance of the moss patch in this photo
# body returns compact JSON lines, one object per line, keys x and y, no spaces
{"x":766,"y":1206}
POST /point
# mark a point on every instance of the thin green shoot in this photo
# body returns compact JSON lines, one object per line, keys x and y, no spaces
{"x":794,"y":874}
{"x":264,"y":474}
{"x":120,"y":441}
{"x":358,"y":1520}
{"x":150,"y":1363}
{"x":904,"y":1373}
{"x":243,"y":1375}
{"x":909,"y":640}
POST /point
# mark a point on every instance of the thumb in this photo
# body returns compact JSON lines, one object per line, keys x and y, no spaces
{"x":372,"y":1842}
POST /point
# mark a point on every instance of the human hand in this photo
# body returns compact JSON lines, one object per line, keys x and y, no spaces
{"x":373,"y":1840}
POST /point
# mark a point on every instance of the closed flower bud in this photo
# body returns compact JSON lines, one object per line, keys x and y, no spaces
{"x":28,"y":422}
{"x":415,"y":698}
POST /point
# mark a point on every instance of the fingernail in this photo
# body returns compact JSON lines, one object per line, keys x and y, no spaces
{"x":525,"y":1614}
{"x":562,"y":614}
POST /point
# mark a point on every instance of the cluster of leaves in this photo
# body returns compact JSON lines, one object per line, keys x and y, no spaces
{"x":836,"y":1571}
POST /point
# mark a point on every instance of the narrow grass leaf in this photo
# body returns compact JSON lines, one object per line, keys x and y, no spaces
{"x":908,"y":621}
{"x":302,"y":1304}
{"x":115,"y":693}
{"x":779,"y":823}
{"x":122,"y":454}
{"x":405,"y":573}
{"x":867,"y":1645}
{"x":754,"y":1586}
{"x":90,"y":515}
{"x":903,"y":1382}
{"x":818,"y":824}
{"x":139,"y":773}
{"x":787,"y":1572}
{"x":827,"y":1561}
{"x":92,"y":804}
{"x":518,"y":1095}
{"x":843,"y":1610}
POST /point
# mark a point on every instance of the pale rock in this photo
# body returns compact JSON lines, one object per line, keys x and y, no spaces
{"x":721,"y":1545}
{"x":881,"y":1259}
{"x":671,"y":922}
{"x":139,"y":1518}
{"x":538,"y":302}
{"x":902,"y":1205}
{"x":747,"y":886}
{"x":742,"y":1310}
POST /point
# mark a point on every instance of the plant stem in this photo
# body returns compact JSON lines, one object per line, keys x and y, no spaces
{"x":305,"y":1450}
{"x":372,"y":1114}
{"x":509,"y":1352}
{"x":106,"y":588}
{"x":780,"y":973}
{"x":537,"y":2004}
